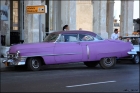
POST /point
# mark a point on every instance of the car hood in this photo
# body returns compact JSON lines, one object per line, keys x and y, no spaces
{"x":30,"y":46}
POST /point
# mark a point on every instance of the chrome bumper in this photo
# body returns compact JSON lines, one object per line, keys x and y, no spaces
{"x":14,"y":62}
{"x":132,"y":52}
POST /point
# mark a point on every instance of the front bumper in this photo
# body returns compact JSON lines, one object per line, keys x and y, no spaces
{"x":14,"y":62}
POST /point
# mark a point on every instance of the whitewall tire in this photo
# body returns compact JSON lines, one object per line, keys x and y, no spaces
{"x":108,"y":62}
{"x":34,"y":64}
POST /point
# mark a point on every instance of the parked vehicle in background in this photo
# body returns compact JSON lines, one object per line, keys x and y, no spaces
{"x":68,"y":47}
{"x":135,"y":52}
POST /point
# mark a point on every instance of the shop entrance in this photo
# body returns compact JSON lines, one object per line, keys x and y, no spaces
{"x":14,"y":22}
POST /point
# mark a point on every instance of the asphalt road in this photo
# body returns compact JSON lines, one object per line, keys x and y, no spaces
{"x":124,"y":77}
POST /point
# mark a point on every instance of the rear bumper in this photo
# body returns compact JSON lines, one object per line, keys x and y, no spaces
{"x":132,"y":53}
{"x":14,"y":62}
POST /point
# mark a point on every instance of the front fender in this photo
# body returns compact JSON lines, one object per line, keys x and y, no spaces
{"x":36,"y":52}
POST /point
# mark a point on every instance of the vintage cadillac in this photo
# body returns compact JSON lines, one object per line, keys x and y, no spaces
{"x":67,"y":47}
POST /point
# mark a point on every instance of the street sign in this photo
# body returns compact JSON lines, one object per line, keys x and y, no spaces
{"x":36,"y":9}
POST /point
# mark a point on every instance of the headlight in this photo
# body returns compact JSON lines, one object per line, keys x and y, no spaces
{"x":17,"y":54}
{"x":18,"y":51}
{"x":7,"y":52}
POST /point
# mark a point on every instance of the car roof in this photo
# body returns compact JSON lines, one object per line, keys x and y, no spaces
{"x":75,"y":31}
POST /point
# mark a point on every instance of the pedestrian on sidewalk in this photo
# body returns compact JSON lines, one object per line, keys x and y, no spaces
{"x":115,"y":35}
{"x":65,"y":28}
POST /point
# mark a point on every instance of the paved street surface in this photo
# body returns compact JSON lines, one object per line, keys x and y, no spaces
{"x":73,"y":78}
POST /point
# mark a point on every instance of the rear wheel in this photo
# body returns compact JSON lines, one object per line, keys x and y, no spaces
{"x":34,"y":64}
{"x":108,"y":62}
{"x":91,"y":64}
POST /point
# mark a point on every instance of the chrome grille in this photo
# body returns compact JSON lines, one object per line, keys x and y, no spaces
{"x":11,"y":56}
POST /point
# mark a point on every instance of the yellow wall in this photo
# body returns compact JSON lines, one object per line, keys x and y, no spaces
{"x":84,"y":15}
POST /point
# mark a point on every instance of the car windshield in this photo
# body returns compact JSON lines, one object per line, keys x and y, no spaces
{"x":51,"y":37}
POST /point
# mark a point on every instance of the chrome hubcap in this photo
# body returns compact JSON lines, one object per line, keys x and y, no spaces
{"x":35,"y":63}
{"x":108,"y":61}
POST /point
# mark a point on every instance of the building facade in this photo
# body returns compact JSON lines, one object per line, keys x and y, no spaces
{"x":96,"y":16}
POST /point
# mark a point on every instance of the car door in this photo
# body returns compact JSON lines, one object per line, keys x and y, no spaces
{"x":67,"y":49}
{"x":88,"y":43}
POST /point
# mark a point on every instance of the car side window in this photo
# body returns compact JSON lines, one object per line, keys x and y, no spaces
{"x":69,"y":38}
{"x":86,"y":37}
{"x":51,"y":37}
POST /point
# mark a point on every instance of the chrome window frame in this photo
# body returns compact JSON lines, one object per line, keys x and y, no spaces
{"x":78,"y":40}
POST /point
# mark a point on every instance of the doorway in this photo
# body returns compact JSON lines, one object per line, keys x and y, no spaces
{"x":14,"y":22}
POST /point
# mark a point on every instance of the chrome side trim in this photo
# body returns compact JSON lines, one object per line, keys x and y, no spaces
{"x":87,"y":51}
{"x":53,"y":54}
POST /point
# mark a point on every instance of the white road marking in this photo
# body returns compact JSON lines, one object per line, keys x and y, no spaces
{"x":90,"y":84}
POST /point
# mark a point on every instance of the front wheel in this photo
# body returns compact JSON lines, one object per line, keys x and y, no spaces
{"x":107,"y":63}
{"x":34,"y":64}
{"x":136,"y":59}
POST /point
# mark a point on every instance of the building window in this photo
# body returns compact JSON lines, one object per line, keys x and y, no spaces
{"x":116,"y":25}
{"x":15,"y":15}
{"x":23,"y":14}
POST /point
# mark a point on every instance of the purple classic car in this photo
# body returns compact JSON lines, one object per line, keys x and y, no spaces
{"x":67,"y":47}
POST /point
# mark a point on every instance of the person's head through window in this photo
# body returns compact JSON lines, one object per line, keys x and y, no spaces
{"x":85,"y":38}
{"x":65,"y":27}
{"x":116,"y":31}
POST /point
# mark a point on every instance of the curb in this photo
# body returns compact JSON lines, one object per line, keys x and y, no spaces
{"x":7,"y":69}
{"x":12,"y":68}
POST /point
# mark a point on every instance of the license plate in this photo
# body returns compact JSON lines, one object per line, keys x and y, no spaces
{"x":6,"y":63}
